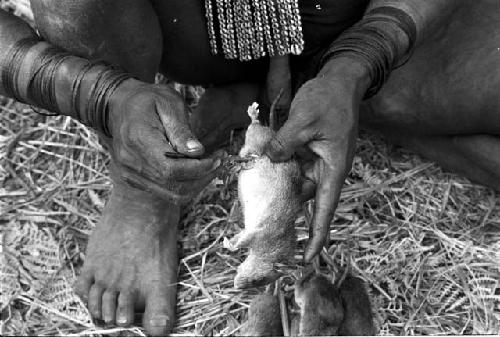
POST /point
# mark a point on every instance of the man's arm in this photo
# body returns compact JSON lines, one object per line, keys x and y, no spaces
{"x":429,"y":15}
{"x":147,"y":123}
{"x":324,"y":112}
{"x":12,"y":30}
{"x":30,"y":64}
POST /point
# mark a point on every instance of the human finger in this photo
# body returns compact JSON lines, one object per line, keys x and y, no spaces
{"x":326,"y":199}
{"x":177,"y":129}
{"x":291,"y":136}
{"x":161,"y":162}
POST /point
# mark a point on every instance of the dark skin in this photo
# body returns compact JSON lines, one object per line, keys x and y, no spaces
{"x":328,"y":126}
{"x":426,"y":105}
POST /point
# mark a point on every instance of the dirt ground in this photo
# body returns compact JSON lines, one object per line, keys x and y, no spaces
{"x":426,"y":242}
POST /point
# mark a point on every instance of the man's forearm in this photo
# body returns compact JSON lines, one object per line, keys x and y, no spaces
{"x":385,"y":37}
{"x":428,"y":15}
{"x":12,"y":30}
{"x":37,"y":73}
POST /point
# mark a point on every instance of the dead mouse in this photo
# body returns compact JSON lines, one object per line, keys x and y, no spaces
{"x":264,"y":318}
{"x":358,"y":314}
{"x":326,"y":309}
{"x":269,"y":196}
{"x":321,"y":309}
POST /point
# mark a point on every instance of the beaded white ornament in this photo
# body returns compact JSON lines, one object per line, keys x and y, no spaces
{"x":251,"y":29}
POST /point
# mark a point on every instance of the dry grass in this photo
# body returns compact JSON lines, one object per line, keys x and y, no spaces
{"x":427,"y":242}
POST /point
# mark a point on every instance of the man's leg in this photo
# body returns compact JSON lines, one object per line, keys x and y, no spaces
{"x":131,"y":261}
{"x":476,"y":157}
{"x":445,"y":102}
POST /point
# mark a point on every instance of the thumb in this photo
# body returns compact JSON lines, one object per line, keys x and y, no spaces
{"x":178,"y":131}
{"x":282,"y":146}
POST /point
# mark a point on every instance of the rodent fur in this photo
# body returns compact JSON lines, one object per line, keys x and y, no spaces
{"x":269,"y":196}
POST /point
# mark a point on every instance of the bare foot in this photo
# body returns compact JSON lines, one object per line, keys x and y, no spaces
{"x":131,"y":262}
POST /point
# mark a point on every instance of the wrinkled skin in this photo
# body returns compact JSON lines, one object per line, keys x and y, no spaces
{"x":146,"y":157}
{"x":426,"y":105}
{"x":112,"y":280}
{"x":423,"y":106}
{"x":323,"y":116}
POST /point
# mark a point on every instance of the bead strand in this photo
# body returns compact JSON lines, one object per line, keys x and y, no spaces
{"x":233,"y":54}
{"x":210,"y":26}
{"x":251,"y":29}
{"x":259,"y":29}
{"x":298,"y":43}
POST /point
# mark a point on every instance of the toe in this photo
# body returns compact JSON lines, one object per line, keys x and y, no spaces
{"x":125,"y":311}
{"x":159,"y":315}
{"x":109,"y":306}
{"x":95,"y":300}
{"x":82,"y":287}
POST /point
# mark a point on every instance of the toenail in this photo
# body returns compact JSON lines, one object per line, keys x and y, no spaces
{"x":160,"y":321}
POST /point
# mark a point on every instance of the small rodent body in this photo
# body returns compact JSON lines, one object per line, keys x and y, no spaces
{"x":264,"y":317}
{"x":321,"y":310}
{"x":330,"y":310}
{"x":269,"y":196}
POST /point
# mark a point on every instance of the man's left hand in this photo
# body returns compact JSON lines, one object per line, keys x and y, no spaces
{"x":324,"y":118}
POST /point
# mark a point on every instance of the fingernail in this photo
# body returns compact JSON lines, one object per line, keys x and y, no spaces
{"x":193,"y":145}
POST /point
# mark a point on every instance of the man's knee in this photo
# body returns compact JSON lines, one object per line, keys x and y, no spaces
{"x":122,"y":32}
{"x":386,"y":113}
{"x":71,"y":24}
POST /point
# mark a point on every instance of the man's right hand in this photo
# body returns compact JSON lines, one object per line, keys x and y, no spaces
{"x":153,"y":145}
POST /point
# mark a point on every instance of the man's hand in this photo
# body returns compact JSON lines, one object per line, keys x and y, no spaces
{"x":153,"y":145}
{"x":324,"y":117}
